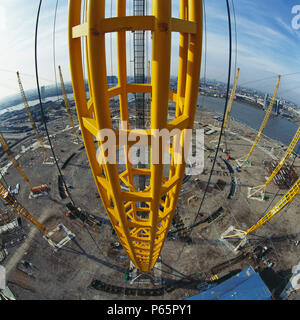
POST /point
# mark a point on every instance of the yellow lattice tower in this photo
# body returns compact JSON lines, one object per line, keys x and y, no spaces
{"x":142,"y":229}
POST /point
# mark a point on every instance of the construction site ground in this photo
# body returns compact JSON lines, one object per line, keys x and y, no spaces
{"x":190,"y":257}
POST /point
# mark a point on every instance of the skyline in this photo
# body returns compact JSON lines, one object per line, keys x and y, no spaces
{"x":267,"y":44}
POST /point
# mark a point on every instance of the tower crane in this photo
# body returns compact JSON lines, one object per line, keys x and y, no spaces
{"x":13,"y":160}
{"x":67,"y":104}
{"x":258,"y":192}
{"x":30,"y":115}
{"x":246,"y":159}
{"x":231,"y":232}
{"x":142,"y":230}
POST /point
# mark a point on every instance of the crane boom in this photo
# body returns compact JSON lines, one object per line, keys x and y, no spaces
{"x":30,"y":115}
{"x":13,"y":202}
{"x":13,"y":160}
{"x":67,"y":104}
{"x":232,"y":95}
{"x":262,"y":127}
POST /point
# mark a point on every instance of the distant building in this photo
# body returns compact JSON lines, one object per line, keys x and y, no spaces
{"x":43,"y":93}
{"x":276,"y":107}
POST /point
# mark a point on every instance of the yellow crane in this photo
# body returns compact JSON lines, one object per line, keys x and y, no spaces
{"x":236,"y":233}
{"x":247,"y":159}
{"x":67,"y":104}
{"x":30,"y":115}
{"x":13,"y":202}
{"x":142,"y":230}
{"x":6,"y":149}
{"x":258,"y":192}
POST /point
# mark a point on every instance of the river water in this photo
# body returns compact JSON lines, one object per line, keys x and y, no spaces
{"x":277,"y":127}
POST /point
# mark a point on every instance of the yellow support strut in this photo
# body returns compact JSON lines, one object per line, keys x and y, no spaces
{"x":246,"y":159}
{"x":142,"y":230}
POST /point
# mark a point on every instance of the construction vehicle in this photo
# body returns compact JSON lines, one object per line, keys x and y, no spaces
{"x":232,"y":232}
{"x":246,"y":160}
{"x":141,"y":229}
{"x":258,"y":193}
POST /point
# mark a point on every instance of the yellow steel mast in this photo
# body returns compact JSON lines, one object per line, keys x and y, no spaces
{"x":67,"y":104}
{"x":258,"y":192}
{"x":246,"y":159}
{"x":288,"y":198}
{"x":30,"y":115}
{"x":13,"y":160}
{"x":141,"y":236}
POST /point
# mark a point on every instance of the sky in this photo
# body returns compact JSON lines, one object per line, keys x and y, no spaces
{"x":267,"y":40}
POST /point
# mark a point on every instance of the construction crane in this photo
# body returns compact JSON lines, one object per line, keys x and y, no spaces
{"x":258,"y":192}
{"x":287,"y":199}
{"x":67,"y":104}
{"x":13,"y":160}
{"x":246,"y":159}
{"x":13,"y":202}
{"x":30,"y":115}
{"x":142,"y":230}
{"x":231,"y":99}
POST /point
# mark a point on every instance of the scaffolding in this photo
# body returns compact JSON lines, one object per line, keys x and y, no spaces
{"x":139,"y":77}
